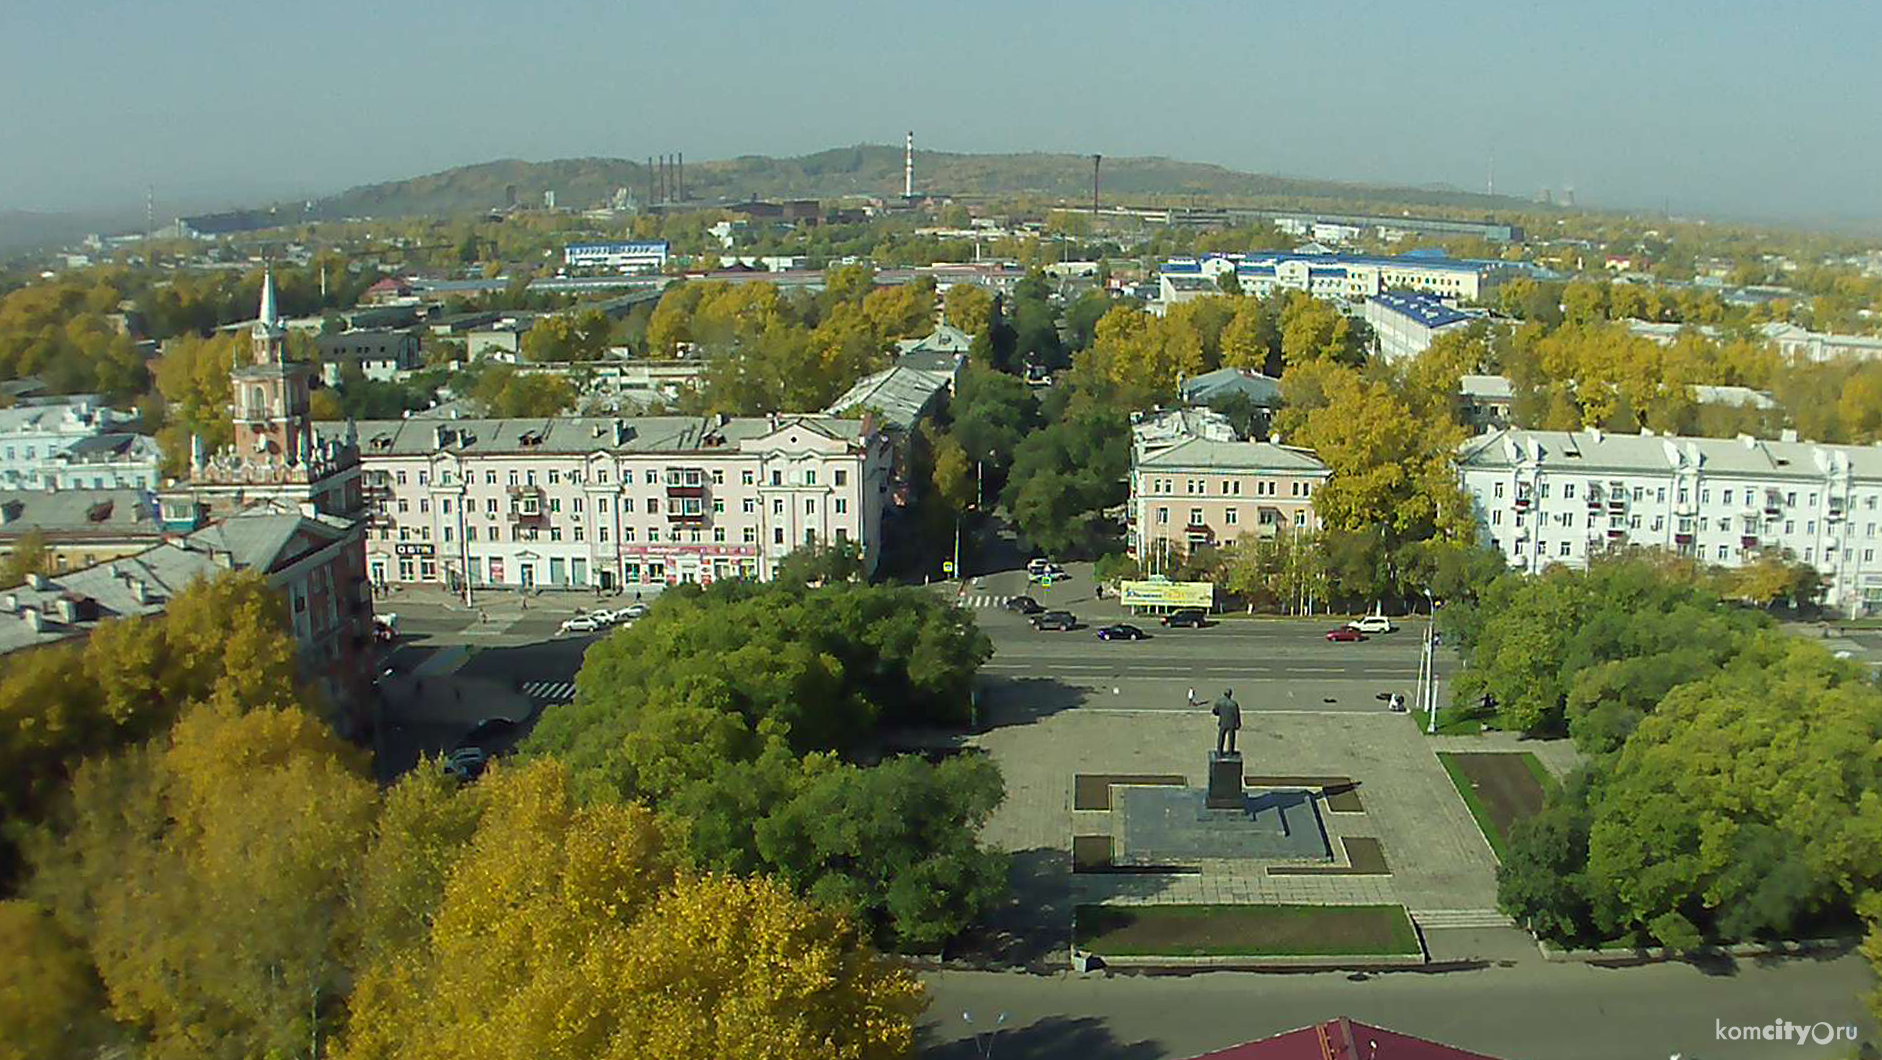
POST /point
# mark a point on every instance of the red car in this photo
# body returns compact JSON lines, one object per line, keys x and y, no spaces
{"x":1345,"y":634}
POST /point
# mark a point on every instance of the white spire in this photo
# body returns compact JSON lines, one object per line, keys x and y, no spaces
{"x":268,"y":314}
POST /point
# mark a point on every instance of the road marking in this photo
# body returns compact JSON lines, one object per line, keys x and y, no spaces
{"x":550,"y":691}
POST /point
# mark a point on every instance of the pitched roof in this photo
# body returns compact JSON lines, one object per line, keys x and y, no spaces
{"x":112,"y":511}
{"x":574,"y":434}
{"x":1485,"y":386}
{"x":1605,"y":451}
{"x":1343,"y":1039}
{"x":900,"y":393}
{"x":1235,"y":456}
{"x":1261,"y":389}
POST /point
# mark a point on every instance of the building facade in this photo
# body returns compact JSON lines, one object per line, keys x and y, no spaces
{"x":1350,"y":276}
{"x":79,"y":528}
{"x":75,"y":444}
{"x":1194,"y":483}
{"x":382,"y":354}
{"x":616,"y":504}
{"x":1405,"y":325}
{"x":647,"y":256}
{"x":1551,"y":497}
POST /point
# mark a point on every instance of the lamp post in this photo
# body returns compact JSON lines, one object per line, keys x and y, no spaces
{"x":983,"y":1043}
{"x":1431,"y":665}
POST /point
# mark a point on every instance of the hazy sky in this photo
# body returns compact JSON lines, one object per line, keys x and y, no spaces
{"x":1765,"y":108}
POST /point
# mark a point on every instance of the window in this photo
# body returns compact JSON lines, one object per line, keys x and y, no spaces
{"x":842,"y":534}
{"x":1660,"y":495}
{"x":1813,"y":500}
{"x":555,"y":533}
{"x":424,"y":478}
{"x":749,"y":506}
{"x":1565,"y":548}
{"x":1496,"y":517}
{"x":601,"y":474}
{"x":777,"y":506}
{"x":653,"y":533}
{"x":1723,"y":551}
{"x":424,"y":505}
{"x":555,"y":505}
{"x":446,"y":506}
{"x":777,"y":535}
{"x":777,"y":478}
{"x":1728,"y":496}
{"x":810,"y":476}
{"x":1498,"y":492}
{"x":1791,"y":497}
{"x":470,"y":532}
{"x":718,"y":534}
{"x":748,"y":478}
{"x":1868,"y":555}
{"x":653,"y":477}
{"x":1163,"y":515}
{"x":578,"y":531}
{"x":1228,"y":516}
{"x":627,"y":534}
{"x":1640,"y":492}
{"x":1300,"y":519}
{"x":653,"y":505}
{"x":1790,"y":525}
{"x":401,"y":478}
{"x":718,"y":506}
{"x":578,"y":506}
{"x":513,"y":480}
{"x":1633,"y":522}
{"x":1807,"y":553}
{"x":1657,"y":523}
{"x":1195,"y":517}
{"x":403,"y":506}
{"x":810,"y":506}
{"x":749,"y":535}
{"x":627,"y":505}
{"x":718,"y":476}
{"x":1869,"y":531}
{"x":602,"y":533}
{"x":555,"y":478}
{"x":1568,"y":491}
{"x":842,"y":477}
{"x":490,"y":478}
{"x":843,"y":507}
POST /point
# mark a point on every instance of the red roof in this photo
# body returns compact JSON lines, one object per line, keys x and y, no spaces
{"x":1342,"y":1039}
{"x":390,"y":283}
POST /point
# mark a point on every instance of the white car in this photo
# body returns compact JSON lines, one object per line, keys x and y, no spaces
{"x":1372,"y":624}
{"x":631,"y":611}
{"x":581,"y":624}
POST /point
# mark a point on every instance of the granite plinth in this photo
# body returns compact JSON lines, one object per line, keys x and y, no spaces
{"x":1225,"y":780}
{"x":1173,"y":826}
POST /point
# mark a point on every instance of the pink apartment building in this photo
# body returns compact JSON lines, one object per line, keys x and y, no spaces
{"x":1209,"y":492}
{"x":615,"y":504}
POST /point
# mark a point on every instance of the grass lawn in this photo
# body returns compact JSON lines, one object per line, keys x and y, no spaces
{"x":1244,"y":930}
{"x":1499,"y":788}
{"x":1449,"y":724}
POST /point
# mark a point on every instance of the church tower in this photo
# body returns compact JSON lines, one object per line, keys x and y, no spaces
{"x":270,"y":406}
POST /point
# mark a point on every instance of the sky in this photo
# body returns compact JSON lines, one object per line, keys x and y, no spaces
{"x":1763,"y":109}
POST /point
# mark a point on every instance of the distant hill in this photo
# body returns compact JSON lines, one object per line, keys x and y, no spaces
{"x":23,"y":230}
{"x":869,"y":169}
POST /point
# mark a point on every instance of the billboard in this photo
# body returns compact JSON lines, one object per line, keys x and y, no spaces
{"x":1164,"y":593}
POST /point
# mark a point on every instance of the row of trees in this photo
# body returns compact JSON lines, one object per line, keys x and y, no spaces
{"x":210,"y":873}
{"x":744,"y":713}
{"x":1731,"y":789}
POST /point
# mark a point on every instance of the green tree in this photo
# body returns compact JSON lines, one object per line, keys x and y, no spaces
{"x":566,"y":337}
{"x":50,"y":1000}
{"x":1063,"y":479}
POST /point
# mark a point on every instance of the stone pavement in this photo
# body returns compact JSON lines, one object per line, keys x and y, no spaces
{"x":1439,"y":860}
{"x":1558,"y":756}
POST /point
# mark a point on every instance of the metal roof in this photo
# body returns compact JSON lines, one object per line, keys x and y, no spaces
{"x":1207,"y":453}
{"x":1419,"y":308}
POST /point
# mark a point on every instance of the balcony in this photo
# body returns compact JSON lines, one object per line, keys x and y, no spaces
{"x":1683,"y":537}
{"x":1747,"y":540}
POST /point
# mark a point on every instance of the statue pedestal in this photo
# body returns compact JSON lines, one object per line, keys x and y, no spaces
{"x":1225,"y":780}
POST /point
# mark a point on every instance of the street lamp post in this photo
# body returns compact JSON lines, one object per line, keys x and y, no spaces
{"x":983,"y":1043}
{"x":1431,"y":665}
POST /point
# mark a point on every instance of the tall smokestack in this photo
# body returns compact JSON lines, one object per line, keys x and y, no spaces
{"x":679,"y":177}
{"x":908,"y":167}
{"x":650,"y":182}
{"x":1095,"y":161}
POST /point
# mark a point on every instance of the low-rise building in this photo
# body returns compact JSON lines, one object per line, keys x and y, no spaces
{"x":381,"y":354}
{"x":1195,"y":483}
{"x":1802,"y":343}
{"x":638,"y":256}
{"x":304,"y":556}
{"x":1406,"y":324}
{"x":1485,"y":401}
{"x":80,"y":528}
{"x":1549,"y":497}
{"x":1350,"y":276}
{"x":899,"y":395}
{"x":578,"y":502}
{"x":75,"y":443}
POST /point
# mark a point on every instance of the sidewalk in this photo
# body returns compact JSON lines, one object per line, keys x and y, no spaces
{"x":505,"y":603}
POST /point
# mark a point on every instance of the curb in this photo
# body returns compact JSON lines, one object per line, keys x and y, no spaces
{"x":1662,"y":954}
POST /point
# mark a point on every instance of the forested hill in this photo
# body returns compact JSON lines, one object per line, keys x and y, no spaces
{"x":868,"y":170}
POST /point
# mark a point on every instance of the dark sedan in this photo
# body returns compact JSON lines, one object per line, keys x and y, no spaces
{"x":1194,"y":617}
{"x":1024,"y":605}
{"x":1345,"y":634}
{"x":1054,"y":620}
{"x":1122,"y":631}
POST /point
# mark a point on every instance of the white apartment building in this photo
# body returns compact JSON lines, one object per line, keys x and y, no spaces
{"x":616,"y":504}
{"x":1350,"y":276}
{"x":1405,"y":325}
{"x":1548,"y":497}
{"x":75,"y":444}
{"x":1793,"y":341}
{"x":647,"y":256}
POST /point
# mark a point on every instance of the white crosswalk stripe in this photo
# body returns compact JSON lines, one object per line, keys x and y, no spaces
{"x":550,"y":691}
{"x":975,"y":601}
{"x":1461,"y":918}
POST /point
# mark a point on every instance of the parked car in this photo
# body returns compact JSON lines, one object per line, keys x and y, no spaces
{"x":1345,"y":633}
{"x":581,"y":624}
{"x":1024,"y":605}
{"x":1054,"y":620}
{"x":1372,"y":624}
{"x":634,"y":610}
{"x":488,"y":733}
{"x":1121,"y":631}
{"x":1040,"y":570}
{"x":466,"y":763}
{"x":1036,"y":567}
{"x":1194,"y":617}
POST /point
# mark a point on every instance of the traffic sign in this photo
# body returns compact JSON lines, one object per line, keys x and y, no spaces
{"x":1046,"y":582}
{"x":947,"y":566}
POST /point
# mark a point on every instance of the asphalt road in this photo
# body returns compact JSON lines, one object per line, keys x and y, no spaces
{"x":1534,"y":1011}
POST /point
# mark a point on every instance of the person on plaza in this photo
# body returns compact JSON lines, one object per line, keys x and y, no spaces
{"x":1228,"y":719}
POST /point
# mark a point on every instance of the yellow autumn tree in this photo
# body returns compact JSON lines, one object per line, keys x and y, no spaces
{"x":49,"y":999}
{"x":564,"y":930}
{"x":969,"y":307}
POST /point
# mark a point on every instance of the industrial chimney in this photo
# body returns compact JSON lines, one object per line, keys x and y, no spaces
{"x":908,"y":167}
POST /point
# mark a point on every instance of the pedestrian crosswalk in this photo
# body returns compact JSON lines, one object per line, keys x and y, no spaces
{"x":550,"y":691}
{"x":977,"y":601}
